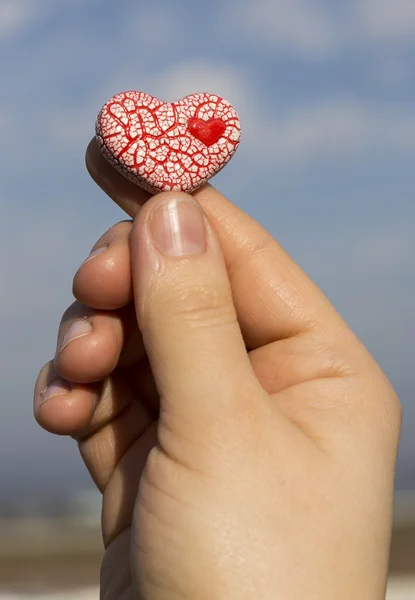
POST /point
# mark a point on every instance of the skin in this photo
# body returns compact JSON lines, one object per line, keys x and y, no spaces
{"x":243,"y":438}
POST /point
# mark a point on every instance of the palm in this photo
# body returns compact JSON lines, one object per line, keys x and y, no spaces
{"x":132,"y":401}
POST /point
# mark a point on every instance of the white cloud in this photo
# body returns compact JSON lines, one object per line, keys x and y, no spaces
{"x":301,"y":27}
{"x":387,"y":19}
{"x":310,"y":30}
{"x":331,"y":128}
{"x":69,"y":126}
{"x":190,"y":76}
{"x":15,"y":15}
{"x":154,"y":26}
{"x":337,"y":127}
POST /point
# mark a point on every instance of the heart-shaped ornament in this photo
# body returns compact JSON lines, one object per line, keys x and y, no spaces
{"x":168,"y":146}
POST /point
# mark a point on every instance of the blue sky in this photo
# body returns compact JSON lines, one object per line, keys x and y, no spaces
{"x":325,"y":91}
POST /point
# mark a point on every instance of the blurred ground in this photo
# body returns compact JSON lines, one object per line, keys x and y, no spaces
{"x":59,"y":558}
{"x":399,"y":590}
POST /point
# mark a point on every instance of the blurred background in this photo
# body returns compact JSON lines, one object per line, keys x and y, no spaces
{"x":325,"y":90}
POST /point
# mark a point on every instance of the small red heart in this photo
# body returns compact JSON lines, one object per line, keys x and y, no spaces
{"x":208,"y":132}
{"x":164,"y":146}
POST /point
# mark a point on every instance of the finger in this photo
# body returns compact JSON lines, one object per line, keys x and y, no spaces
{"x":112,"y":432}
{"x":103,"y":280}
{"x":61,"y":407}
{"x":281,"y":303}
{"x":120,"y":494}
{"x":186,"y":314}
{"x":106,"y":418}
{"x":92,"y":343}
{"x":127,"y":195}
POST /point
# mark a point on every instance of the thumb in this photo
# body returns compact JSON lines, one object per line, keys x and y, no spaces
{"x":187,"y":317}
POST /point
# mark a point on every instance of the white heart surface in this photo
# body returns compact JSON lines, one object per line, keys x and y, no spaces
{"x":168,"y":146}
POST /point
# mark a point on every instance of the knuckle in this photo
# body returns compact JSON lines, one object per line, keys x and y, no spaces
{"x":332,"y":363}
{"x":199,"y":305}
{"x":254,"y":252}
{"x":325,"y":358}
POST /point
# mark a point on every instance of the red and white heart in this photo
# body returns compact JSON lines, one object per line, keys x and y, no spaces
{"x":168,"y":146}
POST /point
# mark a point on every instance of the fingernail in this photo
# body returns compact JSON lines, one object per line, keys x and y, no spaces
{"x":93,"y":254}
{"x":57,"y":388}
{"x":178,"y":227}
{"x":77,"y":329}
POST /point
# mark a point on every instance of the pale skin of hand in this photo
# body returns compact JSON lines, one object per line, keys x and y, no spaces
{"x":243,"y":438}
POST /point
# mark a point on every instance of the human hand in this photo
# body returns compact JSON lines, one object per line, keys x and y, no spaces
{"x":245,"y":443}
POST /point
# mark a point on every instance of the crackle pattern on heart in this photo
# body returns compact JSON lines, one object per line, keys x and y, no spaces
{"x":168,"y":146}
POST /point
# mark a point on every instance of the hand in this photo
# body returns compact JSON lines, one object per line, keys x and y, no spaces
{"x":243,"y":438}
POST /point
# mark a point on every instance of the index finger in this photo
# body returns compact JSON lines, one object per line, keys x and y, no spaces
{"x":273,"y":297}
